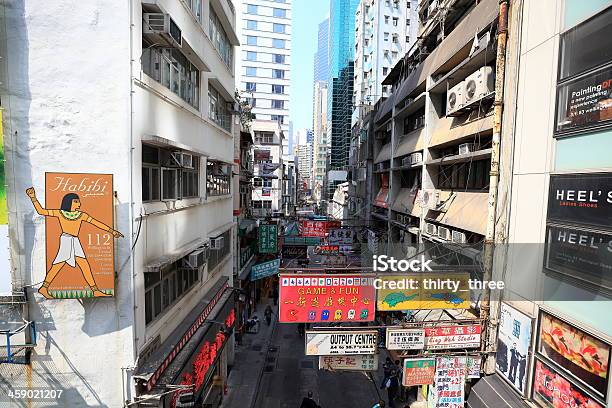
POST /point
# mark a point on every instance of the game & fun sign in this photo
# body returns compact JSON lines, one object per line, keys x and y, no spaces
{"x":265,"y":269}
{"x":418,"y":371}
{"x":449,"y":382}
{"x":453,"y":337}
{"x":326,"y":298}
{"x":405,"y":339}
{"x":326,"y":343}
{"x":363,"y":362}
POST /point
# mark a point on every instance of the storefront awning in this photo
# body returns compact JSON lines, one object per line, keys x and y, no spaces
{"x":153,"y":368}
{"x":467,"y":211}
{"x":384,"y":154}
{"x":385,"y":108}
{"x":493,"y":392}
{"x":447,"y":130}
{"x":404,"y":202}
{"x":159,"y":263}
{"x":410,"y":143}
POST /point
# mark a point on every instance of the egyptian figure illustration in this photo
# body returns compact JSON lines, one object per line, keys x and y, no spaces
{"x":70,"y":251}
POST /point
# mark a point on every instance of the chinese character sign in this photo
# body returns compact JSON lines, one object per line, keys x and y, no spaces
{"x":418,"y":371}
{"x":268,"y":238}
{"x":340,"y":236}
{"x":326,"y":298}
{"x":326,"y":343}
{"x":449,"y":382}
{"x":265,"y":269}
{"x":405,"y":339}
{"x":360,"y":362}
{"x":452,"y":337}
{"x":313,"y":228}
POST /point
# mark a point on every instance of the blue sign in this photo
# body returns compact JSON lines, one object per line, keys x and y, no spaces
{"x":265,"y":269}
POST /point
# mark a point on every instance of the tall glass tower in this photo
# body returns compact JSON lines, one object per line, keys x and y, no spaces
{"x":340,"y":81}
{"x":321,"y":59}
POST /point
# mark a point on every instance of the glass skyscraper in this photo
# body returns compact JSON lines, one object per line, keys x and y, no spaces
{"x":321,"y":59}
{"x":340,"y":82}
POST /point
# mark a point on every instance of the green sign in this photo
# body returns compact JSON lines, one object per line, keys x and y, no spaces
{"x":301,"y":241}
{"x":265,"y":269}
{"x":268,"y":239}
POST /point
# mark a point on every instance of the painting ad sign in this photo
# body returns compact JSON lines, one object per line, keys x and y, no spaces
{"x":360,"y":362}
{"x":513,"y":343}
{"x":418,"y":371}
{"x":405,"y":339}
{"x":582,"y":356}
{"x":327,"y":343}
{"x":552,"y":390}
{"x":452,"y":337}
{"x":450,"y":382}
{"x":265,"y":269}
{"x":326,"y":298}
{"x":80,"y":251}
{"x":422,"y":291}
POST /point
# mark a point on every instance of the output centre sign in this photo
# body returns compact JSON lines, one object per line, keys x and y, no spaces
{"x":327,"y":343}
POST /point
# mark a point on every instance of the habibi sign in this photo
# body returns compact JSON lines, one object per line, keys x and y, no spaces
{"x":78,"y":211}
{"x":581,"y":199}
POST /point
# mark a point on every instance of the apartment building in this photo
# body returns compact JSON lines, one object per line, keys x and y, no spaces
{"x":384,"y":32}
{"x":156,"y":129}
{"x":303,"y":153}
{"x":320,"y":145}
{"x":268,"y":185}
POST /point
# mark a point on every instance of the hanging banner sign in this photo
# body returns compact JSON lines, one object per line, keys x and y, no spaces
{"x":327,"y":250}
{"x":340,"y":236}
{"x":294,"y":251}
{"x":268,"y":238}
{"x":551,"y":390}
{"x":581,"y":198}
{"x":418,"y":371}
{"x":313,"y":228}
{"x":6,"y":286}
{"x":333,"y":260}
{"x":452,"y":337}
{"x":579,"y":253}
{"x":326,"y":343}
{"x":305,"y":241}
{"x":326,"y":298}
{"x":265,"y":269}
{"x":450,"y":382}
{"x":79,"y":235}
{"x":423,"y":291}
{"x":472,"y":369}
{"x":260,"y":155}
{"x":405,"y":339}
{"x":363,"y":362}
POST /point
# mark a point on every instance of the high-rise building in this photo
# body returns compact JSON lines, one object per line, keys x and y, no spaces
{"x":321,"y":58}
{"x":384,"y":31}
{"x":340,"y":82}
{"x":320,"y":141}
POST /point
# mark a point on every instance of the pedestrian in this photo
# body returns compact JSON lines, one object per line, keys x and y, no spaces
{"x":401,"y":389}
{"x":308,"y":402}
{"x":387,"y":366}
{"x":392,"y":388}
{"x":379,"y":404}
{"x":268,"y":314}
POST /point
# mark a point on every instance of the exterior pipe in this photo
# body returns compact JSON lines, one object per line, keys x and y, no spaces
{"x":490,"y":329}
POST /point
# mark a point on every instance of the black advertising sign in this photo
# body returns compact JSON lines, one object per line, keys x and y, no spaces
{"x":295,"y":252}
{"x":580,"y":253}
{"x":585,"y":102}
{"x":581,"y":199}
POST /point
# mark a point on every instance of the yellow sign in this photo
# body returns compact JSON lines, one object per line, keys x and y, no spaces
{"x":423,"y":291}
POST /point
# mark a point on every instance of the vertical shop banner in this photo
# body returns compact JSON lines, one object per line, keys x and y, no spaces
{"x":326,"y":298}
{"x":268,"y":238}
{"x":77,"y":238}
{"x":552,"y":390}
{"x":450,"y":382}
{"x":453,"y":337}
{"x":418,"y":371}
{"x":405,"y":339}
{"x":513,"y":343}
{"x":395,"y":293}
{"x":360,"y":362}
{"x":579,"y":354}
{"x":6,"y":287}
{"x":265,"y":269}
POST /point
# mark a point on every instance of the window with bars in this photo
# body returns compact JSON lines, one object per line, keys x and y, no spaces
{"x":465,"y":176}
{"x":218,"y":178}
{"x":173,"y":70}
{"x":164,"y":178}
{"x":220,"y":40}
{"x":264,"y":137}
{"x":218,"y":110}
{"x":216,"y":256}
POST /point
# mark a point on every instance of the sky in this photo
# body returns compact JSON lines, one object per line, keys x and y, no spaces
{"x":307,"y":14}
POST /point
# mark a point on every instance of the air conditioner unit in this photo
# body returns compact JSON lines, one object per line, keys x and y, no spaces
{"x":466,"y":148}
{"x":416,"y":158}
{"x":380,"y":166}
{"x":195,"y":259}
{"x":159,"y":26}
{"x":431,"y":229}
{"x":444,"y":233}
{"x":478,"y":85}
{"x":458,"y":237}
{"x":217,"y":243}
{"x":184,"y":160}
{"x":407,"y":161}
{"x":431,"y":199}
{"x":454,"y":99}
